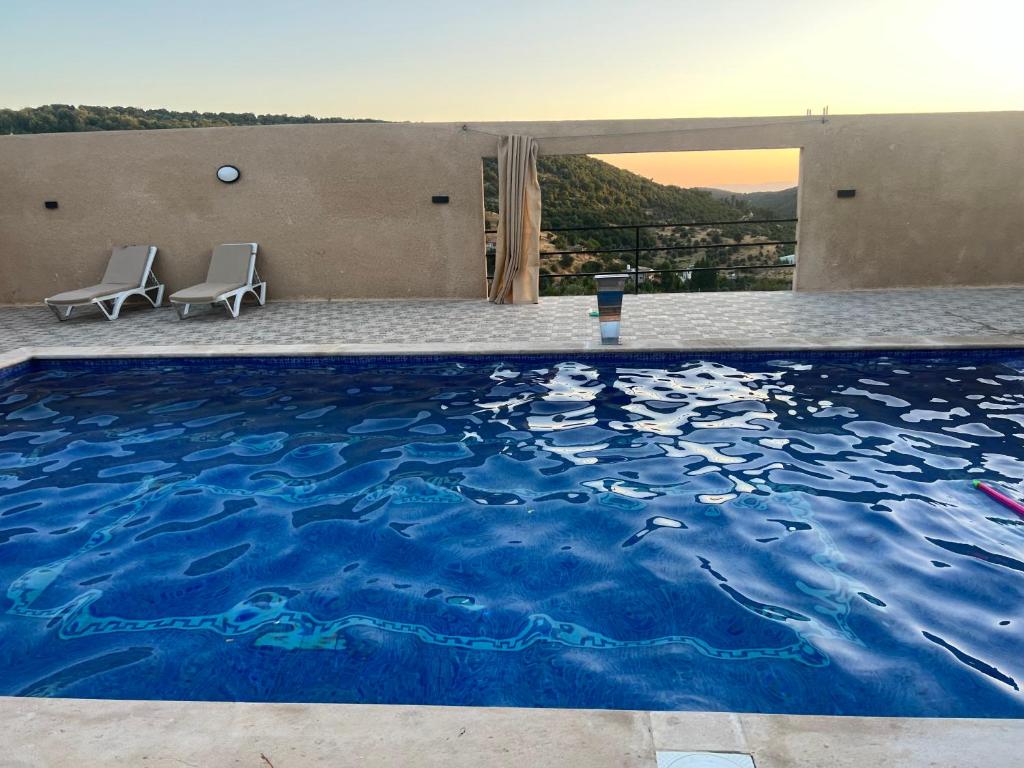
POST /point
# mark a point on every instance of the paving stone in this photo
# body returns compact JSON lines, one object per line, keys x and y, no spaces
{"x":647,"y":320}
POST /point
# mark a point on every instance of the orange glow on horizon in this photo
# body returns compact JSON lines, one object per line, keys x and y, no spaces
{"x":737,"y":170}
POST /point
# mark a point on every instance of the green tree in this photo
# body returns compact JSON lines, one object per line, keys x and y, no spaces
{"x":705,"y":280}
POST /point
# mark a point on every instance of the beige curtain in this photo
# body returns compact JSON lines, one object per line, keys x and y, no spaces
{"x":517,"y":260}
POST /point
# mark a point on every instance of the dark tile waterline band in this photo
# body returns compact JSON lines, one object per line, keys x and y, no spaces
{"x":154,"y":358}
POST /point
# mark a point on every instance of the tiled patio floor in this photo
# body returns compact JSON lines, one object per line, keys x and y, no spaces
{"x":653,"y":320}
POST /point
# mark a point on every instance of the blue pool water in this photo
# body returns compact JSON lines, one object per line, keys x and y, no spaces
{"x":785,"y":534}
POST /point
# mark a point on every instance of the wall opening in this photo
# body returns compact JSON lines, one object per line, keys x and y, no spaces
{"x":674,"y":221}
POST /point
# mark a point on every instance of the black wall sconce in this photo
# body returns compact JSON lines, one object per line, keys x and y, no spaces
{"x":846,"y":193}
{"x":439,"y":199}
{"x":51,"y":205}
{"x":229,"y":174}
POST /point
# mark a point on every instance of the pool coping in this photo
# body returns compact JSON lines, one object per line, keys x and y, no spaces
{"x":45,"y":732}
{"x":86,"y":732}
{"x":773,"y":344}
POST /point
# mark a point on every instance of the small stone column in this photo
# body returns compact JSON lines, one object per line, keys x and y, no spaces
{"x":609,"y":305}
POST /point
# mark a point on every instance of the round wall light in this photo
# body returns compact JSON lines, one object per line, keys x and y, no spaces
{"x":228,"y":174}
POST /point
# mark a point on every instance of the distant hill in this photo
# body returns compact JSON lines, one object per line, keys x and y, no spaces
{"x":780,"y":204}
{"x":582,"y":191}
{"x":579,"y":191}
{"x":65,"y":118}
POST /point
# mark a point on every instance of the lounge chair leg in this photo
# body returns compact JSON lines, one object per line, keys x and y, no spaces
{"x":259,"y":292}
{"x":159,"y":294}
{"x":233,"y":303}
{"x":182,"y":310}
{"x":115,"y":308}
{"x":62,"y":314}
{"x":153,"y":282}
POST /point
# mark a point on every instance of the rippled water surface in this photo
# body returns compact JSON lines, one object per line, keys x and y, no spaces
{"x":741,"y":533}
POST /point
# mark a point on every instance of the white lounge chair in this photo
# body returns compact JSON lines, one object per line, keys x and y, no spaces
{"x":129,"y":273}
{"x":231,"y":275}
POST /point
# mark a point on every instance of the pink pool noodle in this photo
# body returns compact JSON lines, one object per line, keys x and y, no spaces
{"x":1002,"y":498}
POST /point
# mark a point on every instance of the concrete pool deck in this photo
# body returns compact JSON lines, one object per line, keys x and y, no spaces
{"x":57,"y":732}
{"x":654,"y":321}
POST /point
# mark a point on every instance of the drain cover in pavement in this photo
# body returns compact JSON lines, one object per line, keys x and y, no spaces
{"x":704,"y":760}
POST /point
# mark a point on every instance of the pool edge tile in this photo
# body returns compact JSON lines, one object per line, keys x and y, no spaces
{"x":725,"y":344}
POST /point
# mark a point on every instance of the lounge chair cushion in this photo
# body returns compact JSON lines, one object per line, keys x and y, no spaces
{"x":204,"y":293}
{"x":127,"y":265}
{"x":85,"y":295}
{"x":231,"y":263}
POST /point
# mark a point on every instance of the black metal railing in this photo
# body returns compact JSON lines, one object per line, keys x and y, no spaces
{"x":637,"y":248}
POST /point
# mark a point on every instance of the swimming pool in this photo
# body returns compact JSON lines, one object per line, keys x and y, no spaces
{"x":785,"y":533}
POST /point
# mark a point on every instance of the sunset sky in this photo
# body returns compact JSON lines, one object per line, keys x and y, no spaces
{"x":740,"y":171}
{"x":460,"y":60}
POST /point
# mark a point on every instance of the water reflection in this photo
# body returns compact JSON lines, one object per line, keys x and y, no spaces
{"x":755,"y":535}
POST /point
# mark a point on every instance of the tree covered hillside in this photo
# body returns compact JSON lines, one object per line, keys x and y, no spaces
{"x":582,"y":191}
{"x":781,"y":204}
{"x":64,"y":118}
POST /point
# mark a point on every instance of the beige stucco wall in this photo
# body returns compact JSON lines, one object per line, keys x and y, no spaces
{"x":344,"y":211}
{"x":938,"y":202}
{"x":338,"y":211}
